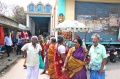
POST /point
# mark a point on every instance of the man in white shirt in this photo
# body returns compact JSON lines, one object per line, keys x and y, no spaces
{"x":32,"y":60}
{"x":8,"y":43}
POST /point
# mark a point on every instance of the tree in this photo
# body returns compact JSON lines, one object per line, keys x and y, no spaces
{"x":3,"y":8}
{"x":19,"y":14}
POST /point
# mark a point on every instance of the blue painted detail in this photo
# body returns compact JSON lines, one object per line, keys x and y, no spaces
{"x":100,"y":10}
{"x":41,"y":20}
{"x":0,"y":48}
{"x":61,"y":6}
{"x":48,"y":9}
{"x":31,"y":8}
{"x":105,"y":36}
{"x":40,"y":8}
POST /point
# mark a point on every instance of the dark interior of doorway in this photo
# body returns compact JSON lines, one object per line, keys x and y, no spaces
{"x":41,"y":25}
{"x":41,"y":29}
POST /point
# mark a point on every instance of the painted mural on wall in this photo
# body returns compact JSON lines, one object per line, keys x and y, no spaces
{"x":103,"y":17}
{"x":99,"y":16}
{"x":90,"y":22}
{"x":113,"y":20}
{"x":61,"y":18}
{"x":99,"y":24}
{"x":39,"y":8}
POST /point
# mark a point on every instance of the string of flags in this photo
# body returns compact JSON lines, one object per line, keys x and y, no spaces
{"x":73,"y":29}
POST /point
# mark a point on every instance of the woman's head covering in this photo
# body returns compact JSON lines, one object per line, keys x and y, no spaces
{"x":79,"y":41}
{"x":60,"y":39}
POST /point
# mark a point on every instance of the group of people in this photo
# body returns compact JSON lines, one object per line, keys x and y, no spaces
{"x":61,"y":58}
{"x":17,"y":46}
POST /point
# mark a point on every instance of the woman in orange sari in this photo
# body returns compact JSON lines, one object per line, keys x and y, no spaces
{"x":51,"y":69}
{"x":56,"y":57}
{"x":46,"y":46}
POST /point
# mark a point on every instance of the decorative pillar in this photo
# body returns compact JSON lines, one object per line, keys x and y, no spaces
{"x":61,"y":10}
{"x":61,"y":6}
{"x":32,"y":25}
{"x":28,"y":21}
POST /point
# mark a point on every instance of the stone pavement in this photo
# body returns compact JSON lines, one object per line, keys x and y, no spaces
{"x":5,"y":62}
{"x":18,"y":72}
{"x":113,"y":70}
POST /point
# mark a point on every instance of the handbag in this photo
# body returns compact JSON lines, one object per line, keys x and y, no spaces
{"x":64,"y":76}
{"x":41,"y":65}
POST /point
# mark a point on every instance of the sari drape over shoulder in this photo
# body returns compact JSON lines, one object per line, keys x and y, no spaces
{"x":76,"y":66}
{"x":46,"y":57}
{"x":51,"y":69}
{"x":42,"y":52}
{"x":58,"y":62}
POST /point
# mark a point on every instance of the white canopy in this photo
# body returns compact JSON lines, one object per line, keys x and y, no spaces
{"x":72,"y":25}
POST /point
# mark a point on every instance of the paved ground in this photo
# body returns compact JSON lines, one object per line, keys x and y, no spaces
{"x":7,"y":61}
{"x":17,"y":71}
{"x":113,"y":70}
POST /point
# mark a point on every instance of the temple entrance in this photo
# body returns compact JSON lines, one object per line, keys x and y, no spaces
{"x":42,"y":25}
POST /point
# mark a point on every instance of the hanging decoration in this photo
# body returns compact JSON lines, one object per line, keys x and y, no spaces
{"x":1,"y":35}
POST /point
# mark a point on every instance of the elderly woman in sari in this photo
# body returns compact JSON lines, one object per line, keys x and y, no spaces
{"x":47,"y":44}
{"x":42,"y":45}
{"x":59,"y":56}
{"x":56,"y":57}
{"x":51,"y":69}
{"x":75,"y":61}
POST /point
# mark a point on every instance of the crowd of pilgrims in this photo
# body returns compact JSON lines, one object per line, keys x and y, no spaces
{"x":62,"y":58}
{"x":60,"y":55}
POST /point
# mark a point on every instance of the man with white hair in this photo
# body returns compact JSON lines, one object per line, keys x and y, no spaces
{"x":32,"y":59}
{"x":98,"y":57}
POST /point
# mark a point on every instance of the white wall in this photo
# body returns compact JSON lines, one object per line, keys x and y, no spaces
{"x":27,"y":21}
{"x":32,"y":25}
